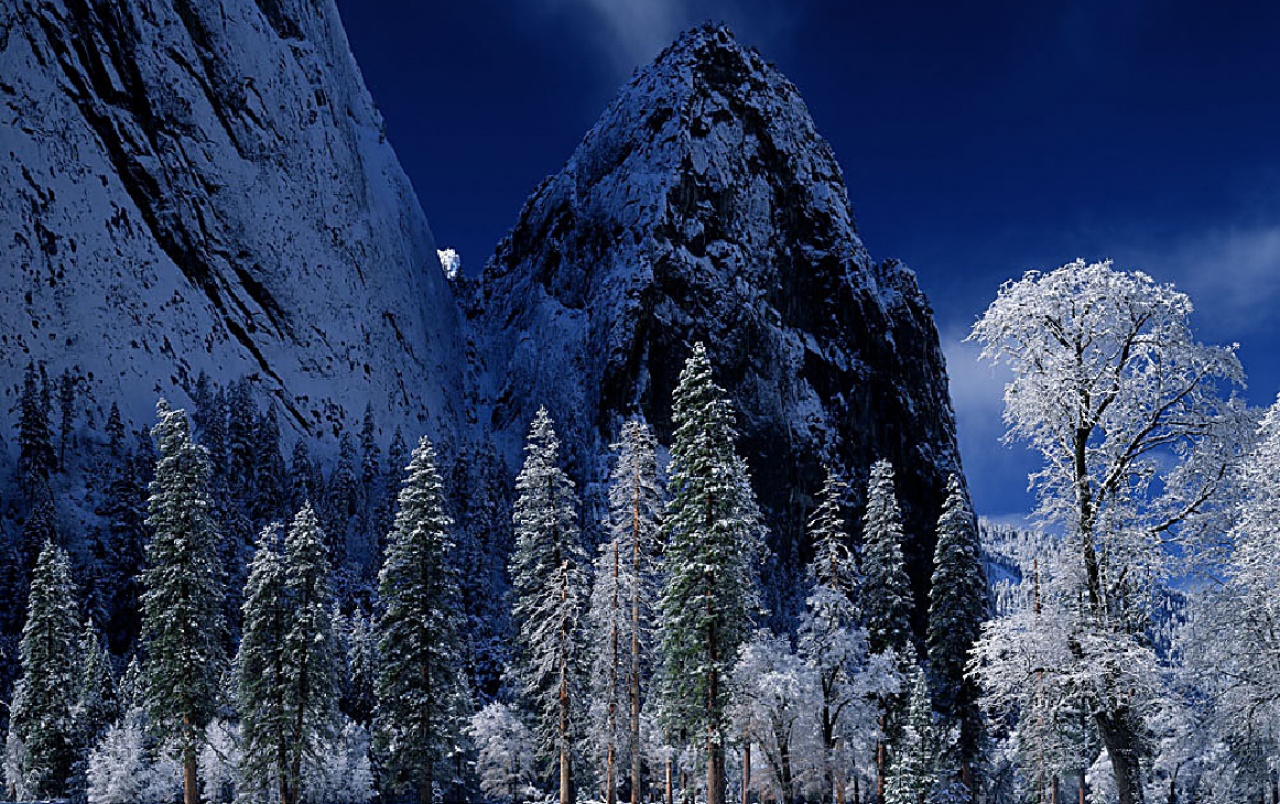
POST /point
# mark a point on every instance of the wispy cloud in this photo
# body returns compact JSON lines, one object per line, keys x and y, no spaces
{"x":631,"y":32}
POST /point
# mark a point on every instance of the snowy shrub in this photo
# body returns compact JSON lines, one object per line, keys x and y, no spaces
{"x":341,"y":773}
{"x":123,"y":771}
{"x":505,"y":759}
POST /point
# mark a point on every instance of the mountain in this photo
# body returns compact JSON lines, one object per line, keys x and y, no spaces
{"x":197,"y":185}
{"x":704,"y":205}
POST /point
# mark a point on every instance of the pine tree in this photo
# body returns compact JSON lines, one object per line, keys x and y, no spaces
{"x":66,"y":415}
{"x":713,"y":551}
{"x":183,"y":598}
{"x":96,"y":705}
{"x":620,"y":617}
{"x":342,"y":499}
{"x":36,"y":458}
{"x":261,"y":675}
{"x":831,"y":640}
{"x":912,"y":778}
{"x":957,"y":608}
{"x":360,"y":698}
{"x":303,"y":483}
{"x":419,"y":674}
{"x":270,"y":491}
{"x":886,"y":598}
{"x":548,"y":578}
{"x":43,"y":712}
{"x":310,"y":655}
{"x":886,"y":591}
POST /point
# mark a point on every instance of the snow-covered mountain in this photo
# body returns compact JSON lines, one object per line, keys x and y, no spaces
{"x":704,"y":205}
{"x":194,"y":185}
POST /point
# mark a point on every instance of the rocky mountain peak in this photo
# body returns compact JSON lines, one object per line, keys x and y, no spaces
{"x":704,"y":205}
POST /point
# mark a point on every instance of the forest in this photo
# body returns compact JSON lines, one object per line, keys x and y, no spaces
{"x":193,"y":617}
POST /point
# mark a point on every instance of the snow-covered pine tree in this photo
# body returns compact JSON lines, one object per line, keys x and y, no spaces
{"x":270,"y":482}
{"x":303,"y":482}
{"x":183,"y":596}
{"x":886,"y":597}
{"x":832,"y":641}
{"x":886,"y":591}
{"x":549,"y":578}
{"x":359,"y":699}
{"x":342,"y":499}
{"x":957,"y":609}
{"x":710,"y":593}
{"x":912,"y":779}
{"x":505,"y":752}
{"x":310,"y":654}
{"x":42,"y":715}
{"x":261,"y":681}
{"x":96,"y":706}
{"x":635,"y":519}
{"x":419,"y":668}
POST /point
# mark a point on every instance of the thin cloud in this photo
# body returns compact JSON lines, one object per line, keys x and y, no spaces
{"x":632,"y":32}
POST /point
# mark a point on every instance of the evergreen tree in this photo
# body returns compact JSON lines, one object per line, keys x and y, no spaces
{"x":360,"y":697}
{"x":886,"y":600}
{"x":831,"y":640}
{"x":184,"y":635}
{"x":549,"y":578}
{"x":310,"y":655}
{"x":36,"y":458}
{"x":886,"y":591}
{"x":261,"y":673}
{"x":713,"y":550}
{"x":912,"y":778}
{"x":96,"y":695}
{"x":304,"y":485}
{"x":620,"y":617}
{"x":343,"y":499}
{"x":242,"y":448}
{"x":419,"y":683}
{"x":270,"y":490}
{"x":43,"y":710}
{"x":957,"y":608}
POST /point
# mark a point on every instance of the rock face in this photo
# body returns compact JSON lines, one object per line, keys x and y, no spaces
{"x":194,"y":185}
{"x":705,"y":206}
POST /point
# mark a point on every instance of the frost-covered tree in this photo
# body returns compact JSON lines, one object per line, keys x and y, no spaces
{"x":505,"y":758}
{"x":419,"y":673}
{"x":912,"y":778}
{"x":123,"y":769}
{"x":957,"y":609}
{"x":1128,"y":412}
{"x":620,"y":617}
{"x":886,"y":598}
{"x":260,"y":672}
{"x":183,"y":596}
{"x":340,"y":769}
{"x":359,"y":698}
{"x":886,"y":590}
{"x":774,"y":699}
{"x":286,"y":668}
{"x":549,"y":579}
{"x":833,"y":644}
{"x":96,"y":707}
{"x":714,"y":543}
{"x":42,"y":717}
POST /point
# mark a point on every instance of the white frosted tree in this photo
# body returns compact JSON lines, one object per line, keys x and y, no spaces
{"x":620,"y":616}
{"x":43,"y":714}
{"x":714,"y":544}
{"x":182,"y":601}
{"x":505,"y":753}
{"x":775,"y":697}
{"x":833,"y":644}
{"x":1130,"y":416}
{"x":419,"y":686}
{"x":549,"y":579}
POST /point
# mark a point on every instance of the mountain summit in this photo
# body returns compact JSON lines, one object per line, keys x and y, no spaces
{"x":704,"y":205}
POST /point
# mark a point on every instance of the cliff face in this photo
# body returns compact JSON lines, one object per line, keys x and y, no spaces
{"x":197,"y":185}
{"x":705,"y":206}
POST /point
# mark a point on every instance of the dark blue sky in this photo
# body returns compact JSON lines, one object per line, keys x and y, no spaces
{"x":978,"y":140}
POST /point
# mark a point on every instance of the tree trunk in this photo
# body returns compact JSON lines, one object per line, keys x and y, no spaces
{"x":190,"y":784}
{"x":880,"y":763}
{"x":611,"y":760}
{"x":427,"y":794}
{"x":787,"y":780}
{"x":671,"y":793}
{"x":1118,"y":737}
{"x":566,"y":775}
{"x":566,"y":778}
{"x":746,"y":768}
